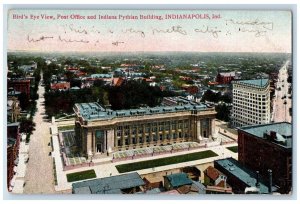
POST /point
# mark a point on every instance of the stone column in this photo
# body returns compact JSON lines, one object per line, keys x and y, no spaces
{"x":110,"y":140}
{"x":157,"y":132}
{"x":123,"y":137}
{"x":129,"y":136}
{"x":115,"y":138}
{"x":144,"y":135}
{"x":94,"y":142}
{"x":89,"y":144}
{"x":213,"y":127}
{"x":150,"y":133}
{"x":104,"y":141}
{"x":199,"y":137}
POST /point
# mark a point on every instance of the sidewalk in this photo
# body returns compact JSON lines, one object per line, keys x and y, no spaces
{"x":62,"y":183}
{"x":109,"y":169}
{"x":19,"y":178}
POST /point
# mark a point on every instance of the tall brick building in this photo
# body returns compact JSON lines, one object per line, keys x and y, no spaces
{"x":13,"y":144}
{"x":21,"y":85}
{"x":269,"y":146}
{"x":225,"y":78}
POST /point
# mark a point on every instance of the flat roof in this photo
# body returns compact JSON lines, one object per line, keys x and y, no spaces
{"x":179,"y":179}
{"x":94,"y":111}
{"x":254,"y":82}
{"x":248,"y":177}
{"x":108,"y":185}
{"x":283,"y":132}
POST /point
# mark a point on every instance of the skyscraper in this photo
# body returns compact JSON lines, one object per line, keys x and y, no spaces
{"x":251,"y":102}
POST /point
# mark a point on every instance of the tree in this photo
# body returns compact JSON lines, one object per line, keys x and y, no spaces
{"x":223,"y":112}
{"x":27,"y":125}
{"x":24,"y":101}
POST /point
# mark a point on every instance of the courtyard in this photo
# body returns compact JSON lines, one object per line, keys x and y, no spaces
{"x":72,"y":152}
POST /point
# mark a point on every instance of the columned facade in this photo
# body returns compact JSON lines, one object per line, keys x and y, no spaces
{"x":124,"y":133}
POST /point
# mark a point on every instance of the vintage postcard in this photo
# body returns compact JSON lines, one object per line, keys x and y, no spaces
{"x":149,"y":102}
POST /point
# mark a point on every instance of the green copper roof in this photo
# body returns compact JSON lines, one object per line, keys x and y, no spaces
{"x":254,"y":82}
{"x":180,"y":179}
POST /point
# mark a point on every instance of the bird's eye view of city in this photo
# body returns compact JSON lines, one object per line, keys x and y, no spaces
{"x":157,"y":102}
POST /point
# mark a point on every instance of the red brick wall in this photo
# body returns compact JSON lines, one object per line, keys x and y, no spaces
{"x":261,"y":154}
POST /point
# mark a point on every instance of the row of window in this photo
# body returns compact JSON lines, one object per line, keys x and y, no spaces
{"x":248,"y":110}
{"x":140,"y":130}
{"x":240,"y":100}
{"x":160,"y":137}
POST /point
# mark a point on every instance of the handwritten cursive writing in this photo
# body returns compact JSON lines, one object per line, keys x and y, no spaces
{"x":38,"y":39}
{"x":77,"y":30}
{"x":72,"y":40}
{"x":131,"y":30}
{"x":257,"y":32}
{"x":206,"y":29}
{"x":116,"y":43}
{"x":256,"y":22}
{"x":173,"y":29}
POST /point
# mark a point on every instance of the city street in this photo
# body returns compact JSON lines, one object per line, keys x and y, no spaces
{"x":282,"y":102}
{"x":39,"y":173}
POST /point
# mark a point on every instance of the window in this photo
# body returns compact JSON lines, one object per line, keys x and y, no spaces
{"x":119,"y":142}
{"x":140,"y":130}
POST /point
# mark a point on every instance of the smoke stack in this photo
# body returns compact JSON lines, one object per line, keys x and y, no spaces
{"x":257,"y":179}
{"x":273,"y":135}
{"x":270,"y":180}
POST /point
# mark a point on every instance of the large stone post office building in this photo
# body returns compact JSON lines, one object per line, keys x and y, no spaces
{"x":99,"y":130}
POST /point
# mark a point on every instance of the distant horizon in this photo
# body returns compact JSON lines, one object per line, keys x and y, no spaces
{"x":36,"y":51}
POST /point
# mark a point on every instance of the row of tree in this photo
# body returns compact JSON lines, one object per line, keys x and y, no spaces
{"x":131,"y":94}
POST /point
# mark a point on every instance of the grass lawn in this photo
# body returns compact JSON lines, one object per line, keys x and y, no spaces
{"x":165,"y":161}
{"x":233,"y":149}
{"x":77,"y":176}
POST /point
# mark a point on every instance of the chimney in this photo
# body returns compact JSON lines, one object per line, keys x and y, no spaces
{"x":270,"y":180}
{"x":257,"y":179}
{"x":273,"y":135}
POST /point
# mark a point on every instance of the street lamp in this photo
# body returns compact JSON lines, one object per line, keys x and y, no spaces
{"x":284,"y":110}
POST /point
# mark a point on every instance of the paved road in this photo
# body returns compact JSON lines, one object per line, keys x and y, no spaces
{"x":281,"y":110}
{"x":39,"y":173}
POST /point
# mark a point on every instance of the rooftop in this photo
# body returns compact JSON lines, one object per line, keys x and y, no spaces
{"x":179,"y":179}
{"x":283,"y":132}
{"x":248,"y":177}
{"x":212,"y":173}
{"x":94,"y":111}
{"x":101,"y":76}
{"x":108,"y":185}
{"x":227,"y":74}
{"x":260,"y":83}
